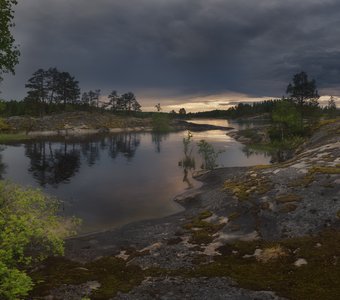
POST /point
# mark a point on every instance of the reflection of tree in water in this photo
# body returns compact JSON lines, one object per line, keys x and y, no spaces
{"x":157,"y":139}
{"x":124,"y":143}
{"x":54,"y":163}
{"x":276,"y":156}
{"x":52,"y":166}
{"x":188,"y":162}
{"x":90,"y":151}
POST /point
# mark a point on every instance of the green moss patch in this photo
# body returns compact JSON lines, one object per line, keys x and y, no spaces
{"x":250,"y":185}
{"x":202,"y":231}
{"x":262,"y":167}
{"x":325,"y":170}
{"x":304,"y":181}
{"x":112,"y":273}
{"x":319,"y":279}
{"x":205,"y":214}
{"x":13,"y":137}
{"x":289,"y":207}
{"x":201,"y":237}
{"x":233,"y":216}
{"x":285,"y":198}
{"x":273,"y":270}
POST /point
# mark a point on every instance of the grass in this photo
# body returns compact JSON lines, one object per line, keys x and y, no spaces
{"x":13,"y":137}
{"x":326,"y":122}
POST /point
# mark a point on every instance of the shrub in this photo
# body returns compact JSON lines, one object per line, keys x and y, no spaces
{"x":30,"y":231}
{"x":209,"y":155}
{"x":160,"y":123}
{"x":4,"y":126}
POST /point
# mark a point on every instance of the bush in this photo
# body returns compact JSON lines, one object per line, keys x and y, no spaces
{"x":30,"y":231}
{"x":160,"y":123}
{"x":4,"y":126}
{"x":209,"y":155}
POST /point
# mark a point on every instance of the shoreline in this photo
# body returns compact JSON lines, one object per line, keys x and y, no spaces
{"x":229,"y":225}
{"x":80,"y":131}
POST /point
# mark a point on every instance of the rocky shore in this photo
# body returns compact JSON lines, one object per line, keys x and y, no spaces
{"x":87,"y":123}
{"x":265,"y":232}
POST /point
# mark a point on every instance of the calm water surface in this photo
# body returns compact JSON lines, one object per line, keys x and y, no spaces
{"x":112,"y":180}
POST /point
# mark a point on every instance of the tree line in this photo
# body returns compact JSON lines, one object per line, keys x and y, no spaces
{"x":51,"y":91}
{"x":301,"y":93}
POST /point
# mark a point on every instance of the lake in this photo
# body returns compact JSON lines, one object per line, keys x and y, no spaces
{"x":112,"y":180}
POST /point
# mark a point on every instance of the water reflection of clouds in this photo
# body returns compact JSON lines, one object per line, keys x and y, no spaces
{"x":112,"y":180}
{"x":211,"y":136}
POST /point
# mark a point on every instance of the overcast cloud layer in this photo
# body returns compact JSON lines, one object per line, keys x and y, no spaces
{"x":175,"y":48}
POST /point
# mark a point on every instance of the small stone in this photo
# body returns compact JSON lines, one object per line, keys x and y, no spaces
{"x":123,"y":255}
{"x":300,"y":262}
{"x":318,"y":245}
{"x":93,"y":285}
{"x":258,"y":252}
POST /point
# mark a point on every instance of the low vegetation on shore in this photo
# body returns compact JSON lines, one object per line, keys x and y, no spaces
{"x":30,"y":231}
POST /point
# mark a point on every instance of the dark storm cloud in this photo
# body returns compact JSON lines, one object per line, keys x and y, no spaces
{"x":183,"y":46}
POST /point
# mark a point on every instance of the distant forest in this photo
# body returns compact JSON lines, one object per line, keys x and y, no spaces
{"x":245,"y":110}
{"x":53,"y":91}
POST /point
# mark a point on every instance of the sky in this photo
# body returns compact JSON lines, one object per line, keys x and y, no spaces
{"x":197,"y":54}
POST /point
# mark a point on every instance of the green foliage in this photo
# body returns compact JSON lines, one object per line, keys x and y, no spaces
{"x":188,"y":162}
{"x":51,"y":86}
{"x":9,"y":53}
{"x":209,"y":154}
{"x":30,"y":230}
{"x":4,"y":126}
{"x":13,"y":283}
{"x":182,"y":112}
{"x":290,"y":143}
{"x":186,"y":143}
{"x":304,"y":93}
{"x":302,"y":90}
{"x":8,"y":138}
{"x":160,"y":123}
{"x":286,"y":118}
{"x":331,"y":110}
